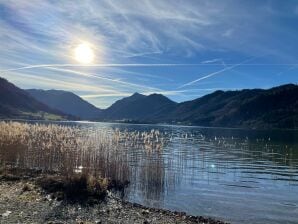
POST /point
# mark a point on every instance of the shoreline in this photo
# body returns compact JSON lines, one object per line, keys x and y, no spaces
{"x":248,"y":128}
{"x":23,"y":201}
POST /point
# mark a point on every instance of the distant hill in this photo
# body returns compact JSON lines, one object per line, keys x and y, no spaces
{"x":273,"y":108}
{"x":249,"y":108}
{"x":17,"y":103}
{"x":138,"y":107}
{"x":67,"y":102}
{"x":276,"y":107}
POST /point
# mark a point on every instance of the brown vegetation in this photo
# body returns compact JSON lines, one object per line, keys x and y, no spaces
{"x":84,"y":162}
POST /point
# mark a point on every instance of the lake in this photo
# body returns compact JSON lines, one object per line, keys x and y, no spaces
{"x":240,"y":176}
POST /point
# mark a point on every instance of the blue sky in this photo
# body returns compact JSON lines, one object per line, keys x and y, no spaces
{"x":182,"y":49}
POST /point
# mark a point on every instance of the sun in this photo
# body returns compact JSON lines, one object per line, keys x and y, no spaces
{"x":84,"y":53}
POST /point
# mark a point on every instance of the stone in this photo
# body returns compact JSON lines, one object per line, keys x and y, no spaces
{"x":7,"y":213}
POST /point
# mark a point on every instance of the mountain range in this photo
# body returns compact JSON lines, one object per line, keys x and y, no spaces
{"x":256,"y":108}
{"x":276,"y":107}
{"x":249,"y":108}
{"x":18,"y":103}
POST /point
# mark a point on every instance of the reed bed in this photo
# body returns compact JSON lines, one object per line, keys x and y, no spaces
{"x":69,"y":150}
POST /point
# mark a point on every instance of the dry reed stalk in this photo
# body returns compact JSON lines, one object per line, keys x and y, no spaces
{"x":69,"y":149}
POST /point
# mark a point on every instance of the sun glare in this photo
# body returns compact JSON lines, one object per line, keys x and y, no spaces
{"x":84,"y":53}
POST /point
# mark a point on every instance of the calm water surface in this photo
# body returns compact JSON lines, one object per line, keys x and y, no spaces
{"x":240,"y":176}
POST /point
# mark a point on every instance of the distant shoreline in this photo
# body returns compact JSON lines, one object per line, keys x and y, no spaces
{"x":157,"y":124}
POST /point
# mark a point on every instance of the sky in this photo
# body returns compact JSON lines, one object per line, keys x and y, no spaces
{"x":182,"y":49}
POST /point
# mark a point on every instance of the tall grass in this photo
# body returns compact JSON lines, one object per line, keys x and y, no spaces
{"x":71,"y":149}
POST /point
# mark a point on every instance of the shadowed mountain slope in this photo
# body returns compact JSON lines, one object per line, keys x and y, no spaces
{"x":17,"y":103}
{"x":256,"y":108}
{"x":67,"y":102}
{"x":138,"y":107}
{"x":275,"y":107}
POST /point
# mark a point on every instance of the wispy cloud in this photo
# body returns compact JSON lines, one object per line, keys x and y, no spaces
{"x":212,"y":61}
{"x":141,"y":46}
{"x":134,"y":28}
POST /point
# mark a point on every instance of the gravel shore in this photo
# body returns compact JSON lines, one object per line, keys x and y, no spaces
{"x":22,"y":201}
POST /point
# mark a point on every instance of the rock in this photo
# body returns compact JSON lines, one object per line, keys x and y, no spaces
{"x":7,"y":213}
{"x":145,"y":211}
{"x":48,"y":197}
{"x":59,"y":196}
{"x":26,"y":187}
{"x":109,"y":211}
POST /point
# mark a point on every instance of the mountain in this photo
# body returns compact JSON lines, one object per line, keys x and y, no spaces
{"x":67,"y":102}
{"x":138,"y":107}
{"x":254,"y":108}
{"x":17,"y":103}
{"x":276,"y":107}
{"x":249,"y":108}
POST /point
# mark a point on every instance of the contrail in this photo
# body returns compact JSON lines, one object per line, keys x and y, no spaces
{"x":132,"y":65}
{"x":96,"y":65}
{"x":217,"y":72}
{"x":103,"y":78}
